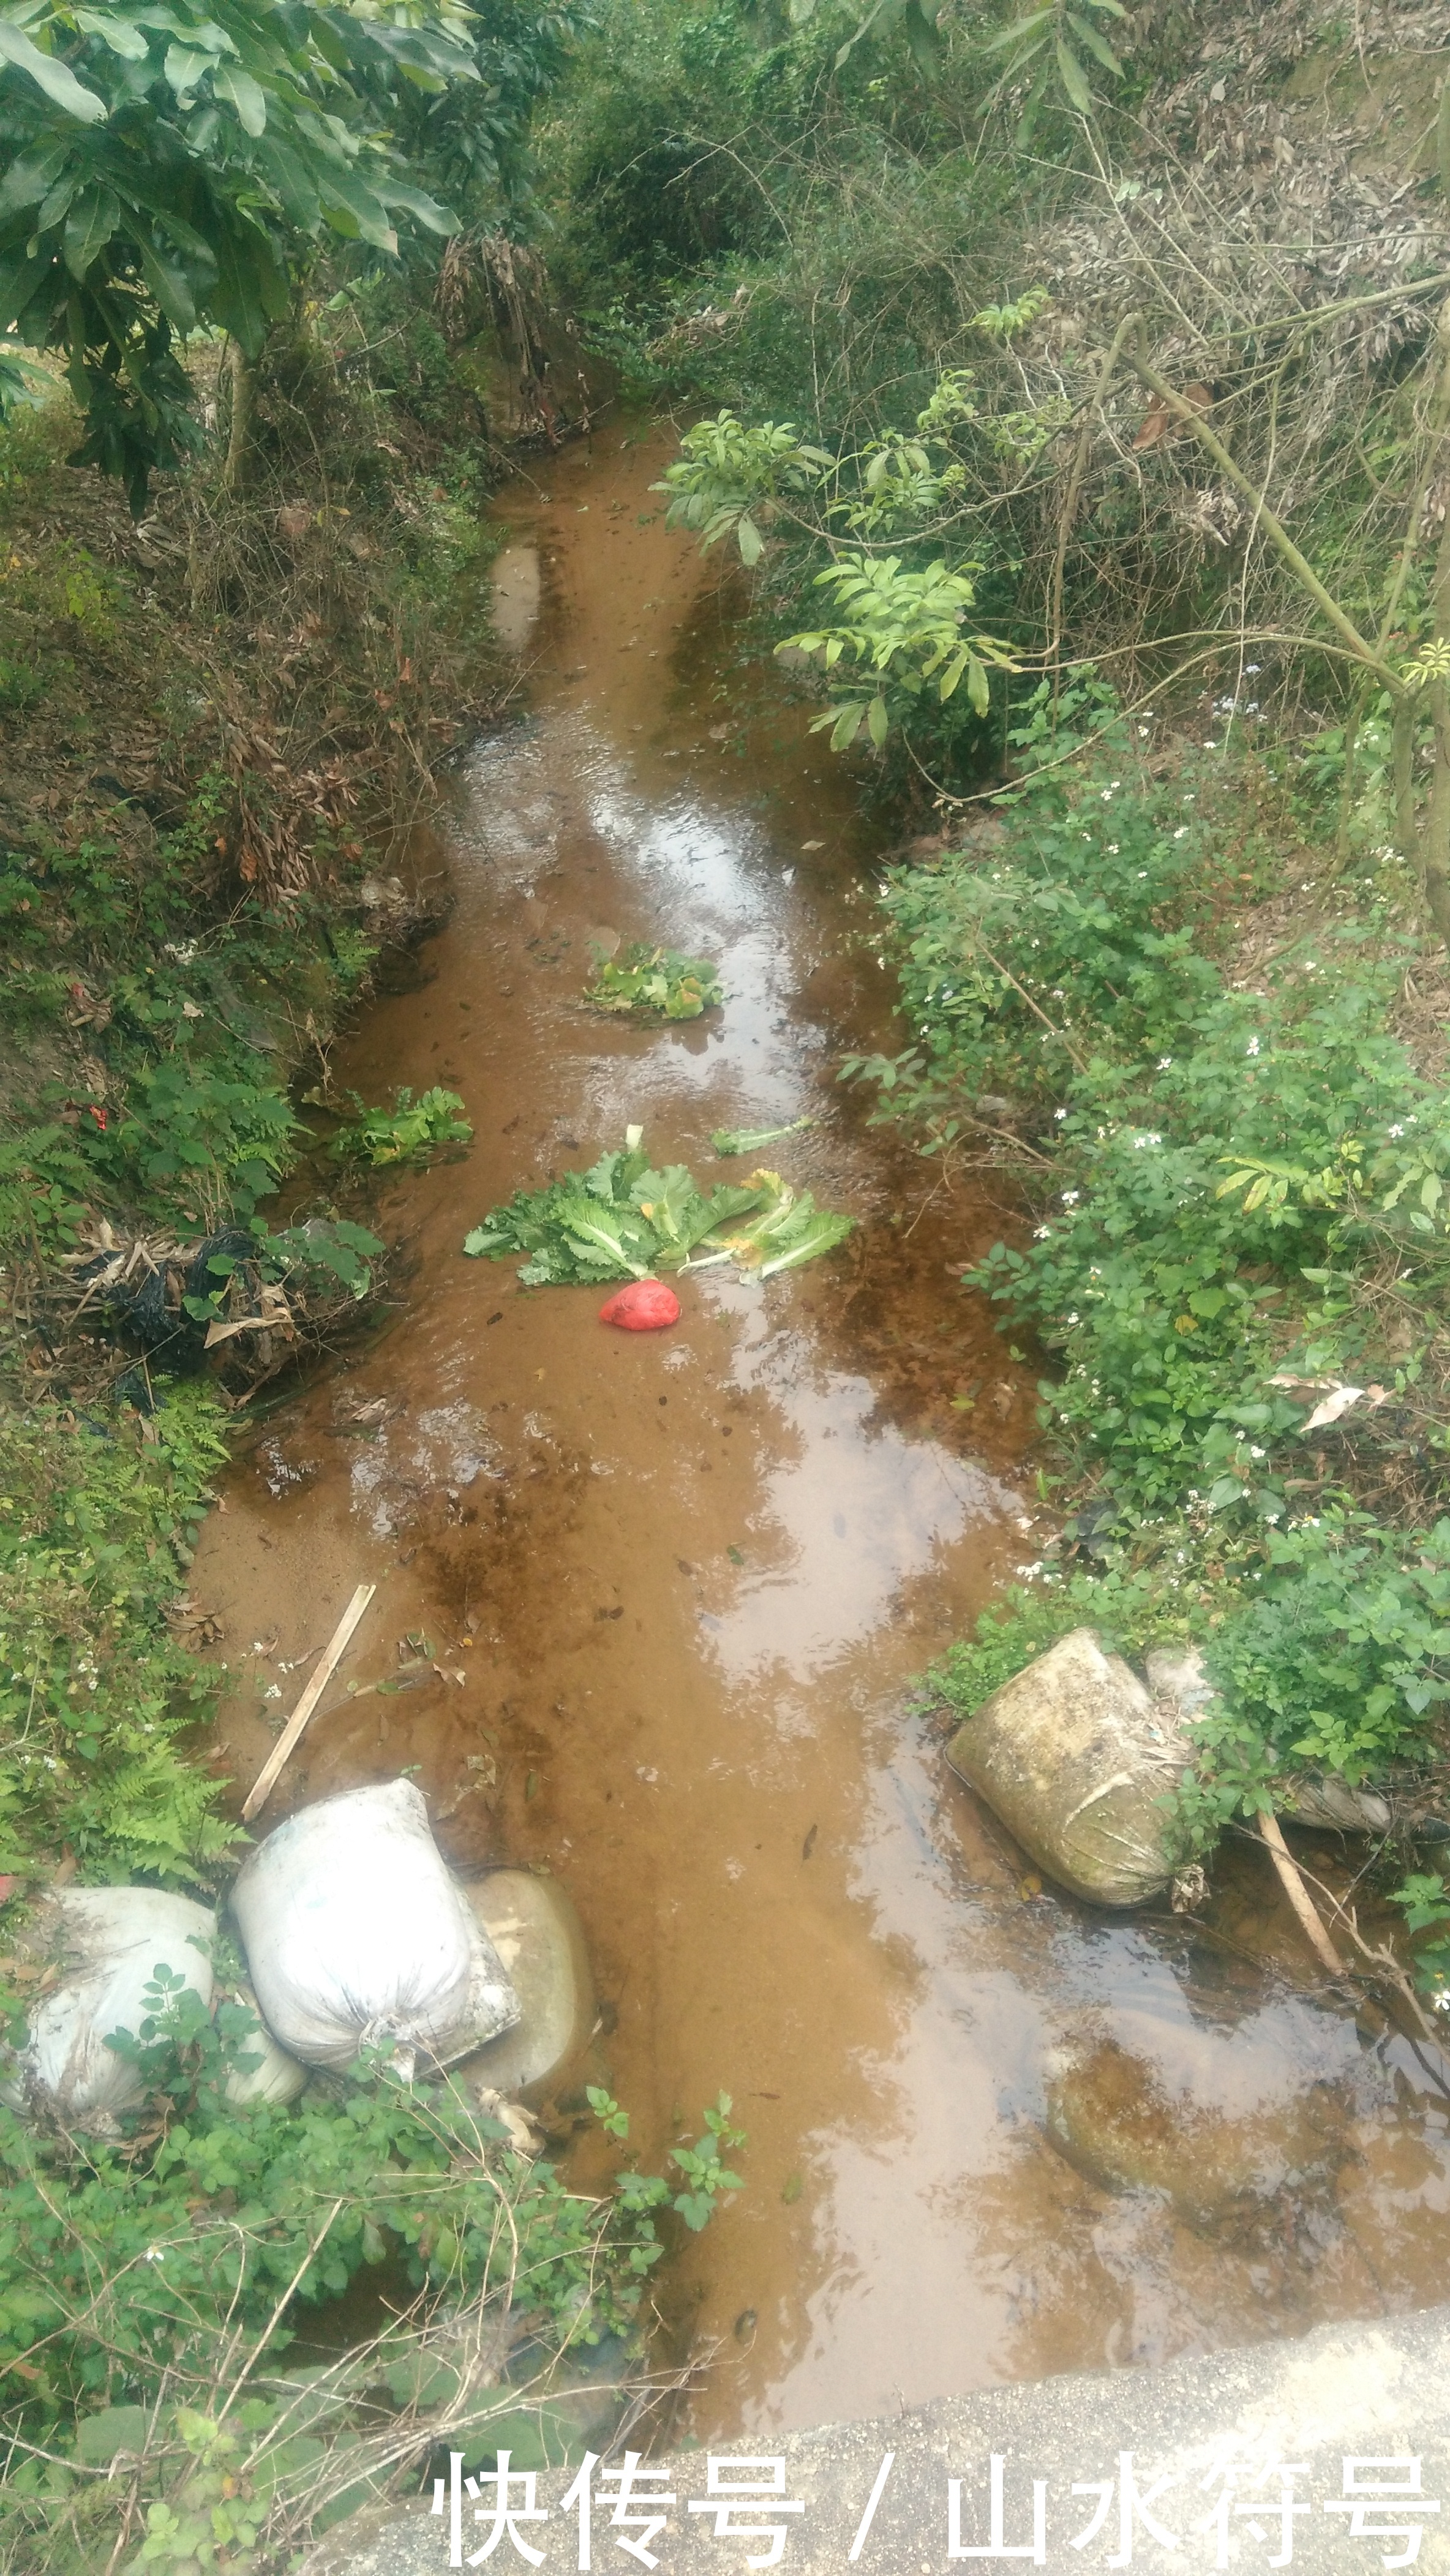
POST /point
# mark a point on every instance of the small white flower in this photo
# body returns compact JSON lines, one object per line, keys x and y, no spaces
{"x":1059,"y":1113}
{"x":1253,"y":1047}
{"x":1112,"y":849}
{"x":1397,"y":1131}
{"x":1182,"y":832}
{"x":1040,"y":1233}
{"x":1072,"y":1319}
{"x":1255,"y":1453}
{"x":1164,"y":1062}
{"x":1070,"y":1198}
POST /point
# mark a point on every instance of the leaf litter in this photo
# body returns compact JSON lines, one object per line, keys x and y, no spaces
{"x":622,"y":1219}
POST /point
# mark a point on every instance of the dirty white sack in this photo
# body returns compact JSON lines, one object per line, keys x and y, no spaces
{"x":355,"y":1934}
{"x":1081,"y":1765}
{"x":108,"y":1943}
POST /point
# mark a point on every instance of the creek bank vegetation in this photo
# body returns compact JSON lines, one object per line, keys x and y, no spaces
{"x":1082,"y":416}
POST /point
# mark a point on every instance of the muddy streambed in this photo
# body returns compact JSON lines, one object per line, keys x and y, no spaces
{"x":678,"y":1588}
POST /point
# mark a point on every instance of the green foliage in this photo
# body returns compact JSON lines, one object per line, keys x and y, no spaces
{"x":706,"y":2176}
{"x":658,"y":981}
{"x":96,"y":1523}
{"x":1425,"y":1902}
{"x":729,"y":478}
{"x":623,"y":1220}
{"x":143,"y":2281}
{"x":1211,"y":1166}
{"x":406,"y":1133}
{"x":905,"y":629}
{"x":161,"y":173}
{"x":1062,"y":41}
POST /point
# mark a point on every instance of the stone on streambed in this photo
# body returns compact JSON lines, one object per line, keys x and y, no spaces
{"x":534,"y":1928}
{"x":1079,"y":1761}
{"x":1112,"y":2117}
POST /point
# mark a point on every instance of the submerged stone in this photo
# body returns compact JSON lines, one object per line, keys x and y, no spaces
{"x":1081,"y":1765}
{"x":1113,"y":2118}
{"x":533,"y":1926}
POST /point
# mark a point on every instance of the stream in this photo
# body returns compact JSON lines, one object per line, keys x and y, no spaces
{"x":679,"y":1587}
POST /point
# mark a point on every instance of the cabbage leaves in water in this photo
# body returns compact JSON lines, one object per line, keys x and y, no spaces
{"x":654,"y":983}
{"x":622,"y":1219}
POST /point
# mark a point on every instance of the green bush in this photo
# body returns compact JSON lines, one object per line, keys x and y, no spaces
{"x":1212,"y":1169}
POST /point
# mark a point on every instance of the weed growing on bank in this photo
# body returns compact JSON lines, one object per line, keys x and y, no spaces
{"x":1237,"y":1263}
{"x":153,"y":2291}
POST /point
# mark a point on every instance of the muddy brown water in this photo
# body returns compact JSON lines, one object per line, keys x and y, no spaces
{"x":679,"y":1587}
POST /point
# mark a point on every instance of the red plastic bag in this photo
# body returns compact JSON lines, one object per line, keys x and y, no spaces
{"x":645,"y":1306}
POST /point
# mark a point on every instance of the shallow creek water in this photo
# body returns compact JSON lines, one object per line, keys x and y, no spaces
{"x":679,"y":1587}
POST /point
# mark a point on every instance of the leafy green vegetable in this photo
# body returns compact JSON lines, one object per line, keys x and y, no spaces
{"x":660,"y":980}
{"x":404,"y":1133}
{"x":749,"y":1140}
{"x":624,"y":1220}
{"x":788,"y":1231}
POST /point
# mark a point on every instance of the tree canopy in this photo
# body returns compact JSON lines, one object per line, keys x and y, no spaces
{"x":167,"y":164}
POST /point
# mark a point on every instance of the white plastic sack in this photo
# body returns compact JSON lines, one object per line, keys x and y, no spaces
{"x":355,"y":1934}
{"x":1081,"y":1765}
{"x":109,"y":1942}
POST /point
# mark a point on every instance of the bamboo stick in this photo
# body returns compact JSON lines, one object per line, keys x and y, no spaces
{"x":1299,"y":1896}
{"x":332,"y":1655}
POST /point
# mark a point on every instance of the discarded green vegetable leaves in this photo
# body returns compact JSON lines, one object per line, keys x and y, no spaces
{"x":624,"y":1220}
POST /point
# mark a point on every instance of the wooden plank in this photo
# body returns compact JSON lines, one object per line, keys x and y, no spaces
{"x":286,"y":1742}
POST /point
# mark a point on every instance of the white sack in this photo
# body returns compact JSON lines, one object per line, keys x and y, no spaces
{"x":1081,"y":1765}
{"x":109,"y":1942}
{"x":355,"y":1933}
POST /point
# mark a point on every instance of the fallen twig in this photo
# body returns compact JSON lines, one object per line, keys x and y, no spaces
{"x":332,"y":1656}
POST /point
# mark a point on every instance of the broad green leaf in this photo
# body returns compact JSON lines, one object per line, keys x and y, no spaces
{"x":417,"y":203}
{"x":184,"y":66}
{"x":1018,"y":32}
{"x":59,"y":84}
{"x":923,"y":38}
{"x":978,"y":692}
{"x":115,"y":31}
{"x":1097,"y":45}
{"x":243,"y":93}
{"x":846,"y":727}
{"x":821,"y":1232}
{"x":30,"y":178}
{"x":878,"y":723}
{"x":93,"y":218}
{"x":1074,"y":79}
{"x":750,"y":540}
